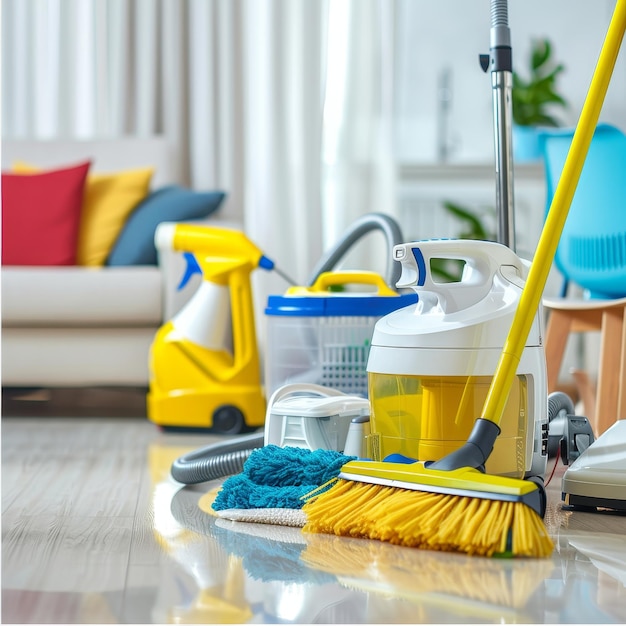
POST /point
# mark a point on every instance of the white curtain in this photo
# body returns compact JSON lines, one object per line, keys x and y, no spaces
{"x":359,"y":109}
{"x":284,"y":93}
{"x":285,"y":104}
{"x":359,"y":165}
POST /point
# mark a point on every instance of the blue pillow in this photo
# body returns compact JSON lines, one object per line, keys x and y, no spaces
{"x":135,"y":243}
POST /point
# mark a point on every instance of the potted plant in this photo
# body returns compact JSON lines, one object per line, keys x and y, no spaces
{"x":535,"y":99}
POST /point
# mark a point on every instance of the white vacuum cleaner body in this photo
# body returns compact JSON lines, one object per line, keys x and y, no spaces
{"x":311,"y":416}
{"x":597,"y":478}
{"x":431,"y":364}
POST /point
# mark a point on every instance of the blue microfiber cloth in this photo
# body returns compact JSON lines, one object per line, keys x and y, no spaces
{"x":275,"y":477}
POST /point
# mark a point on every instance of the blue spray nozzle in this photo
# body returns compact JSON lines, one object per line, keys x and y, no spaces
{"x":193,"y":267}
{"x":265,"y":263}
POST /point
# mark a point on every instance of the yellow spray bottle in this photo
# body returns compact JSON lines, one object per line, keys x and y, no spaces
{"x":204,"y":363}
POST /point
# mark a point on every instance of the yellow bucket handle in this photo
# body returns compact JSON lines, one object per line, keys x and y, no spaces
{"x":351,"y":277}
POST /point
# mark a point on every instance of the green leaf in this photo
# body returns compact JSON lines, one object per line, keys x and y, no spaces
{"x":472,"y":227}
{"x":540,"y":53}
{"x":447,"y":270}
{"x":475,"y":228}
{"x":534,"y":98}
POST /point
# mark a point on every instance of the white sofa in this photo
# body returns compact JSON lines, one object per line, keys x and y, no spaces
{"x":76,"y":326}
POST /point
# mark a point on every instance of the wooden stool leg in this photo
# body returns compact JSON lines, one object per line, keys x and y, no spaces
{"x":621,"y":402}
{"x":609,"y":370}
{"x":557,"y":332}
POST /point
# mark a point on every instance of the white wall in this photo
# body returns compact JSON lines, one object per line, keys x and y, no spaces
{"x":452,"y":33}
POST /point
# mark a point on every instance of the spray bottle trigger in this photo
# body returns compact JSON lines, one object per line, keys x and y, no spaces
{"x":192,"y":268}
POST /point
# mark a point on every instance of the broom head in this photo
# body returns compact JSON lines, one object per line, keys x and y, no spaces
{"x":461,"y":510}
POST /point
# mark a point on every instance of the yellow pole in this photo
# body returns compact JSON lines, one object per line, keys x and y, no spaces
{"x":502,"y":382}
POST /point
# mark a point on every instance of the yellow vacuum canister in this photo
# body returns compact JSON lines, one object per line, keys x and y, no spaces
{"x":204,"y":363}
{"x":431,"y":364}
{"x":320,"y":336}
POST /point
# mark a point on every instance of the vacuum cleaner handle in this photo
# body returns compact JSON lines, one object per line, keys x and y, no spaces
{"x":483,"y":261}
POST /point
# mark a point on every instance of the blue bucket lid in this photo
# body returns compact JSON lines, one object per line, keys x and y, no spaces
{"x":353,"y":304}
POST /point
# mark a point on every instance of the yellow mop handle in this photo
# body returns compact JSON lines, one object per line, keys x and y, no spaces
{"x":528,"y":306}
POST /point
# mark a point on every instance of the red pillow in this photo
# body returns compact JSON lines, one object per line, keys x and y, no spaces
{"x":41,"y":216}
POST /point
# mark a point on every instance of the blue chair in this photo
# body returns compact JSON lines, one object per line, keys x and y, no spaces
{"x":591,"y":254}
{"x":592,"y":249}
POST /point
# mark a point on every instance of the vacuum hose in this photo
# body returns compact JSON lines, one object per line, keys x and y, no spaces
{"x":372,"y":221}
{"x":216,"y":460}
{"x":560,"y":406}
{"x":557,"y":402}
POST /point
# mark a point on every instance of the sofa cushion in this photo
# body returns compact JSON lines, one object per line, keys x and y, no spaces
{"x":79,"y":296}
{"x":109,"y":200}
{"x":41,"y":216}
{"x":135,"y":245}
{"x":107,"y":203}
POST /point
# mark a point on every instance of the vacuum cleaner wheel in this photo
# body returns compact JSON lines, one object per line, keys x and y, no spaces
{"x":228,"y":420}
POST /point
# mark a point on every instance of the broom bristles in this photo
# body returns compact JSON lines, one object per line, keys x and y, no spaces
{"x":428,"y":520}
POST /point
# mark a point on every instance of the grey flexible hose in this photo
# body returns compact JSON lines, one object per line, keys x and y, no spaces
{"x":367,"y":223}
{"x":559,"y":406}
{"x":216,"y":460}
{"x":557,"y":402}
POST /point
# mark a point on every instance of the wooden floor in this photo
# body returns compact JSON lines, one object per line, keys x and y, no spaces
{"x":94,"y":530}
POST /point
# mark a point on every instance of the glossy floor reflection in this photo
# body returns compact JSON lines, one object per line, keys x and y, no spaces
{"x":278,"y":574}
{"x":95,"y":530}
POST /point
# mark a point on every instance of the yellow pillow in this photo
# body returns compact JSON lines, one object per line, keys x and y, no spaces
{"x":109,"y":200}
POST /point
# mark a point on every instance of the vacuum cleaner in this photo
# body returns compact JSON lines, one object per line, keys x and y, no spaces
{"x":204,"y":363}
{"x":436,"y":359}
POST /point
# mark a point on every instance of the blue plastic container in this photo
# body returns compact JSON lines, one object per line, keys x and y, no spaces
{"x":323,"y":337}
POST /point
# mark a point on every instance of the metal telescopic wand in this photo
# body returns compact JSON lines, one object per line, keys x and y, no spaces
{"x":499,"y":60}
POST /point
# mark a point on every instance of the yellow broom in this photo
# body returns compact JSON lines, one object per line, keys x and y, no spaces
{"x":450,"y":505}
